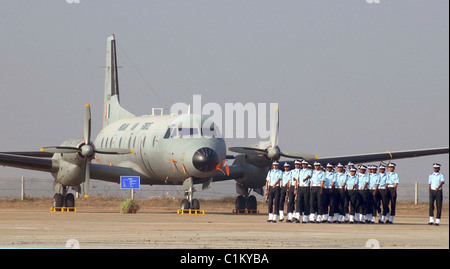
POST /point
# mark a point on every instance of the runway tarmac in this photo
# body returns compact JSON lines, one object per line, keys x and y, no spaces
{"x":25,"y":228}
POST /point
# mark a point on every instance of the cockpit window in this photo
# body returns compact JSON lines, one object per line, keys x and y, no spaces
{"x":187,"y":131}
{"x":209,"y":132}
{"x":179,"y":132}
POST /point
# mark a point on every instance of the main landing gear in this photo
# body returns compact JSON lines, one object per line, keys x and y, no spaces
{"x":245,"y":203}
{"x":62,"y":200}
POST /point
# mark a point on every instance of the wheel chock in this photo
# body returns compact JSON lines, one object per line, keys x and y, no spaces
{"x":63,"y":209}
{"x":191,"y":212}
{"x":246,"y":212}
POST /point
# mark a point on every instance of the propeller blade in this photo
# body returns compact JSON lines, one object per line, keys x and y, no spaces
{"x":87,"y":177}
{"x":87,"y":124}
{"x":298,"y":155}
{"x":59,"y":149}
{"x":274,"y":128}
{"x":113,"y":151}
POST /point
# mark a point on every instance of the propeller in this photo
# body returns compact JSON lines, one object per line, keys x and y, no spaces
{"x":87,"y":150}
{"x":273,"y":152}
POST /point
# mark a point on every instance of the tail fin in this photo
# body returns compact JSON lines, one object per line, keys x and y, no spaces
{"x":112,"y":111}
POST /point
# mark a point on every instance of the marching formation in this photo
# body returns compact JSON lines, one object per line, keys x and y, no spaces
{"x":323,"y":195}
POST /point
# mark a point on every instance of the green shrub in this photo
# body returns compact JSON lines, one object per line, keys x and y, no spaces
{"x":129,"y":206}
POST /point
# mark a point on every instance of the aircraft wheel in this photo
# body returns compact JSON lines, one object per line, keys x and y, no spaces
{"x":70,"y":201}
{"x":58,"y":201}
{"x":252,"y":204}
{"x":195,"y":204}
{"x":185,"y":204}
{"x":240,"y":203}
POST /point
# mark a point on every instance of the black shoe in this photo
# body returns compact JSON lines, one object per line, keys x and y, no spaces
{"x":436,"y":224}
{"x":430,"y":223}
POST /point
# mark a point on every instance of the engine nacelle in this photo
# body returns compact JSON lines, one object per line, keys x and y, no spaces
{"x":69,"y":174}
{"x":70,"y":171}
{"x":254,"y":173}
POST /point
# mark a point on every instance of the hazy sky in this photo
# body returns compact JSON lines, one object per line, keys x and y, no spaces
{"x":349,"y":77}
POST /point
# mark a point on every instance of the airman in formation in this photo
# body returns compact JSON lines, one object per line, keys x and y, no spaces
{"x":323,"y":195}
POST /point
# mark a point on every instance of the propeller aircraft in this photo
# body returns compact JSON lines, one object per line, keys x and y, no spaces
{"x":181,"y":149}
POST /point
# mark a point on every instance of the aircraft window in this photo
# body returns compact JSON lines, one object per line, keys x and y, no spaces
{"x":143,"y":142}
{"x":123,"y":127}
{"x":167,"y":135}
{"x":101,"y":146}
{"x":129,"y":142}
{"x":134,"y":126}
{"x":120,"y":142}
{"x":210,"y":132}
{"x":187,"y":131}
{"x":106,"y":144}
{"x":110,"y":143}
{"x":146,"y":125}
{"x":134,"y":142}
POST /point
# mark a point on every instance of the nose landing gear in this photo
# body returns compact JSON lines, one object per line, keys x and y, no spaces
{"x":188,"y":204}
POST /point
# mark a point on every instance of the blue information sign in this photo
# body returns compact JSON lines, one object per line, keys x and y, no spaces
{"x":130,"y":182}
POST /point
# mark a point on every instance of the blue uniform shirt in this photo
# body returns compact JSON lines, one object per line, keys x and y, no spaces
{"x":295,"y":176}
{"x":303,"y":174}
{"x":286,"y":177}
{"x":362,"y":179}
{"x":341,"y":178}
{"x":329,"y":179}
{"x":374,"y":179}
{"x":316,"y":177}
{"x":351,"y":180}
{"x":383,"y":180}
{"x":435,"y":179}
{"x":392,"y":178}
{"x":273,"y":176}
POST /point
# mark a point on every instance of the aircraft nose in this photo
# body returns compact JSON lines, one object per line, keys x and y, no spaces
{"x":205,"y":159}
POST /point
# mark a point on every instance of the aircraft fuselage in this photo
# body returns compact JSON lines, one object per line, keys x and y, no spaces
{"x":166,"y":148}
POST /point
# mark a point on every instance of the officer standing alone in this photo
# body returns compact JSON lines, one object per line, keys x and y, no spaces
{"x":435,"y":182}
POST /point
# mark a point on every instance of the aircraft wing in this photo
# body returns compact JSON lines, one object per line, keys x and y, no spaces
{"x":382,"y":156}
{"x":26,"y":162}
{"x":39,"y":154}
{"x":111,"y":173}
{"x":98,"y":171}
